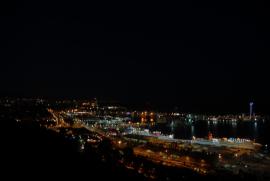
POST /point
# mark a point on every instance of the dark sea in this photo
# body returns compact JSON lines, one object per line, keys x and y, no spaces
{"x":253,"y":130}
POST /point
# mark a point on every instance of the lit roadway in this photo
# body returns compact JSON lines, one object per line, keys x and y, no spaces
{"x":58,"y":119}
{"x":182,"y":162}
{"x":159,"y":157}
{"x":170,"y":160}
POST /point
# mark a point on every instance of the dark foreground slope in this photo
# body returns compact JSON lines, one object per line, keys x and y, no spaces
{"x":31,"y":152}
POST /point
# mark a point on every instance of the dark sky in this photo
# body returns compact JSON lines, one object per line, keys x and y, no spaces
{"x":197,"y":56}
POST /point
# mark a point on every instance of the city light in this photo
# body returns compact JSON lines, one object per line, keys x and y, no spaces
{"x":160,"y":146}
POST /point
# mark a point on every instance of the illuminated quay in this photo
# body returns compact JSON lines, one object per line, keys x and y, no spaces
{"x":146,"y":142}
{"x":208,"y":155}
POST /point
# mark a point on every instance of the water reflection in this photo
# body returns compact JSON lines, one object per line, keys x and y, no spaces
{"x":192,"y":131}
{"x":234,"y":124}
{"x":181,"y":129}
{"x":255,"y":130}
{"x":172,"y":125}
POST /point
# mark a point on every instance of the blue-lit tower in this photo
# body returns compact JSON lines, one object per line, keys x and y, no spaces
{"x":250,"y":109}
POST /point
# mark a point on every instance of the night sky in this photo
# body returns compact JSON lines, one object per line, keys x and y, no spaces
{"x":196,"y":56}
